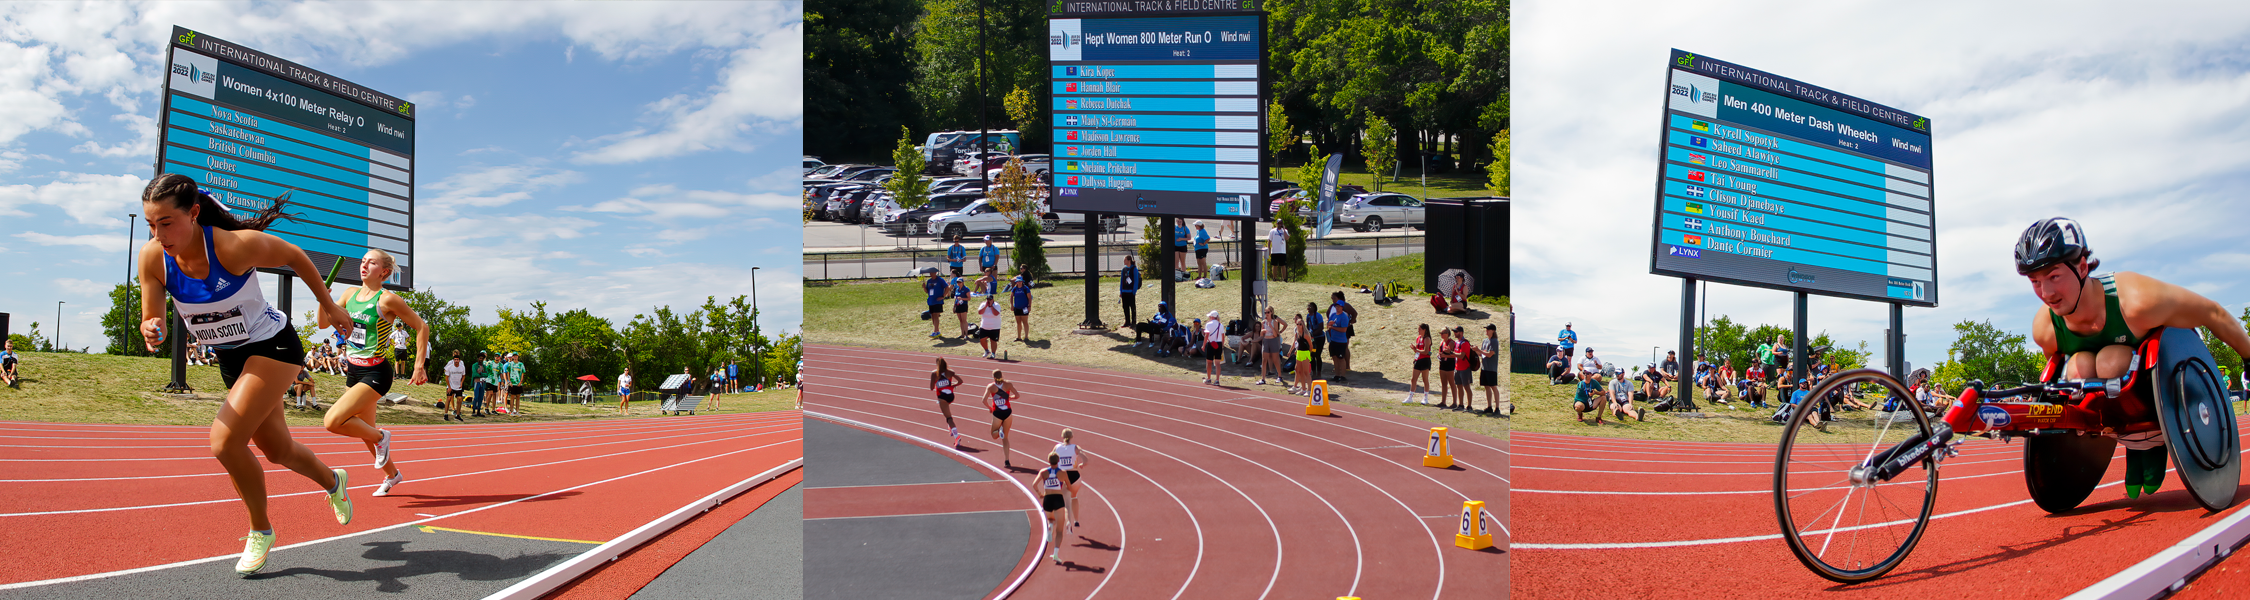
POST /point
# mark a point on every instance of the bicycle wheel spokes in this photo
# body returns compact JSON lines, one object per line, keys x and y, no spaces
{"x":1837,"y":519}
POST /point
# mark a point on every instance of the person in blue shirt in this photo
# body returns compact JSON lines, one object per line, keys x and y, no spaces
{"x":1179,"y":246}
{"x":961,"y":304}
{"x":955,"y":255}
{"x":1019,"y":299}
{"x":1202,"y":250}
{"x":1129,"y":284}
{"x":1339,"y":339}
{"x":1802,"y":408}
{"x":935,"y":289}
{"x":8,"y":363}
{"x":1568,"y":341}
{"x":1158,"y":326}
{"x":988,"y":257}
{"x":734,"y":373}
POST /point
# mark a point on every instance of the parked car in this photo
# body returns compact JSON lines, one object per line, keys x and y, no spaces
{"x":812,"y":163}
{"x":916,"y":221}
{"x":1038,"y":165}
{"x":974,"y":165}
{"x":978,"y":217}
{"x":869,"y":175}
{"x":1372,"y":212}
{"x":837,"y":171}
{"x":854,"y":204}
{"x":941,"y":149}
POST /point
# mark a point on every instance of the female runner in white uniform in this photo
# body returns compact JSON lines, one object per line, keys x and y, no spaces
{"x":942,"y":380}
{"x":1053,"y":488}
{"x":207,"y":261}
{"x":1070,"y":463}
{"x":998,"y":396}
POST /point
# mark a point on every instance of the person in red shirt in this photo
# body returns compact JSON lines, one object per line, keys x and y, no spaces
{"x":1421,"y":376}
{"x":1464,"y":362}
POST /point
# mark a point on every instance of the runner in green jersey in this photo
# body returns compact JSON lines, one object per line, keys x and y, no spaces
{"x":367,"y":354}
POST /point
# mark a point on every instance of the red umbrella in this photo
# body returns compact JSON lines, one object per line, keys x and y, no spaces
{"x":588,"y":378}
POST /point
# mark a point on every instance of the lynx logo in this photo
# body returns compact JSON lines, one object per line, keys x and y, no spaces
{"x":1796,"y":277}
{"x":194,"y":74}
{"x":1683,"y":252}
{"x":1695,"y":94}
{"x":1068,"y":191}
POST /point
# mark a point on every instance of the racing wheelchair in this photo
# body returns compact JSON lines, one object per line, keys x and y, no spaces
{"x":1851,"y":512}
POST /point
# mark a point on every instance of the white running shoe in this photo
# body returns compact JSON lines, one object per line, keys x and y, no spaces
{"x":1409,"y":398}
{"x":385,"y":489}
{"x":339,"y":500}
{"x":383,"y":450}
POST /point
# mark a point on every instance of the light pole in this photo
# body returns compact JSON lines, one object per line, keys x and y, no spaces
{"x":125,"y":337}
{"x":759,"y":365}
{"x":57,"y":345}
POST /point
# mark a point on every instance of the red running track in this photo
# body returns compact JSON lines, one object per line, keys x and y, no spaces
{"x":104,"y":489}
{"x":1636,"y":518}
{"x":1193,"y":491}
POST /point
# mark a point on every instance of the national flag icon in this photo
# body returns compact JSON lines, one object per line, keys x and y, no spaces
{"x":1071,"y":120}
{"x":1070,"y":105}
{"x":1695,"y":208}
{"x":1694,"y":240}
{"x":1073,"y":136}
{"x":1697,"y":175}
{"x":1070,"y":87}
{"x":1698,"y":141}
{"x":1070,"y":166}
{"x":1071,"y":150}
{"x":1695,"y":191}
{"x":1072,"y":180}
{"x":1699,"y":126}
{"x":1698,"y":158}
{"x":1694,"y":224}
{"x":1070,"y":71}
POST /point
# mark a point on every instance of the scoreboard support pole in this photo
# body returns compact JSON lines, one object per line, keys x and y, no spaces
{"x":1093,"y":320}
{"x":1687,"y":339}
{"x":177,"y":339}
{"x":1797,"y":364}
{"x":1897,"y":341}
{"x":1170,"y":258}
{"x":1249,"y":275}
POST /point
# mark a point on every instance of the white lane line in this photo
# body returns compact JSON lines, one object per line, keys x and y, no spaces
{"x":94,"y":576}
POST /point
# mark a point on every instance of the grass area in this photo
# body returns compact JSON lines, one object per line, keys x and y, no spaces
{"x":1546,"y":408}
{"x":99,"y":388}
{"x":1455,"y":184}
{"x":881,"y":314}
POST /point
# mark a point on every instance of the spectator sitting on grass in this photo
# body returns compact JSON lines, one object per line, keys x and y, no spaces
{"x":8,"y":364}
{"x":1621,"y":401}
{"x":1157,"y":326}
{"x":1558,"y":369}
{"x":1590,"y":396}
{"x":1458,"y":302}
{"x":1652,"y":381}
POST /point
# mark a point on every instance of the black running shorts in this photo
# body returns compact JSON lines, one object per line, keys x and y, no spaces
{"x":282,"y":347}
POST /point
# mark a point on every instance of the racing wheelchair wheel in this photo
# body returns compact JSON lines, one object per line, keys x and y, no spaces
{"x":2198,"y":419}
{"x":2061,"y":470}
{"x":1840,"y":518}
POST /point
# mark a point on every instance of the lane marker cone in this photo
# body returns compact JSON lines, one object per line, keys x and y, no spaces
{"x":1439,"y":454}
{"x":1473,"y":534}
{"x":1317,"y":401}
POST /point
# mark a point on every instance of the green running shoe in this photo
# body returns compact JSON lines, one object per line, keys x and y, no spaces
{"x":254,"y":553}
{"x":339,"y":500}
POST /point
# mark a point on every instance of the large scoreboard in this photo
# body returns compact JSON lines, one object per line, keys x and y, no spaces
{"x":1157,"y":108}
{"x":252,"y":128}
{"x":1766,"y":181}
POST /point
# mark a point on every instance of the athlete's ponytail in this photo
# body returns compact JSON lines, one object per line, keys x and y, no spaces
{"x":181,"y":192}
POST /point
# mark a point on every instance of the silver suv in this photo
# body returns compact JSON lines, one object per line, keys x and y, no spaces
{"x":1373,"y":212}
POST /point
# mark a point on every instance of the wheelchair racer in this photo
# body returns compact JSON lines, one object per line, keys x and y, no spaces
{"x":2093,"y":322}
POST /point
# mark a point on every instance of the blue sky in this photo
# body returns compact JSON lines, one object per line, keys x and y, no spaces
{"x":2133,"y":118}
{"x":613,"y":156}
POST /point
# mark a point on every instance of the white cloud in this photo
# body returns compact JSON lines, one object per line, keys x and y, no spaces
{"x":143,"y":144}
{"x":89,"y":199}
{"x":761,"y":83}
{"x":105,"y":244}
{"x":497,"y":186}
{"x":84,"y":287}
{"x":666,"y":202}
{"x":2135,"y":122}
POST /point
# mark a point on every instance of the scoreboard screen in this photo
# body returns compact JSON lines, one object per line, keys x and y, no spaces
{"x":1769,"y":182}
{"x":252,"y":128}
{"x":1157,"y":116}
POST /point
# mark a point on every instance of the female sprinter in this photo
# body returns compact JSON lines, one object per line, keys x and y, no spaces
{"x":998,"y":396}
{"x":1053,"y":488}
{"x":207,"y":260}
{"x":1421,"y":374}
{"x":1070,"y":463}
{"x":367,"y":357}
{"x":942,"y":380}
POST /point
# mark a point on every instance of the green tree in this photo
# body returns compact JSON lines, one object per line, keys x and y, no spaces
{"x":2229,"y":360}
{"x":1382,"y":150}
{"x":907,"y":186}
{"x":859,"y":61}
{"x":122,"y":324}
{"x":1496,"y":173}
{"x":1294,"y":266}
{"x":1984,"y":352}
{"x":1279,"y":137}
{"x":946,"y":87}
{"x":1151,"y":249}
{"x":1308,"y":174}
{"x":450,"y":329}
{"x":1022,"y":197}
{"x":35,"y":342}
{"x":1023,"y":110}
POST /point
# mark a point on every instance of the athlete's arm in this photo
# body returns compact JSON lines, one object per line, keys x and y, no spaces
{"x":2152,"y":304}
{"x":397,"y":307}
{"x":152,"y":295}
{"x":258,"y":249}
{"x":2043,"y":331}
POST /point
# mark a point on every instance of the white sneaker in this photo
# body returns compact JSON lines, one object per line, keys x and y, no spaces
{"x":383,"y":450}
{"x":385,"y":488}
